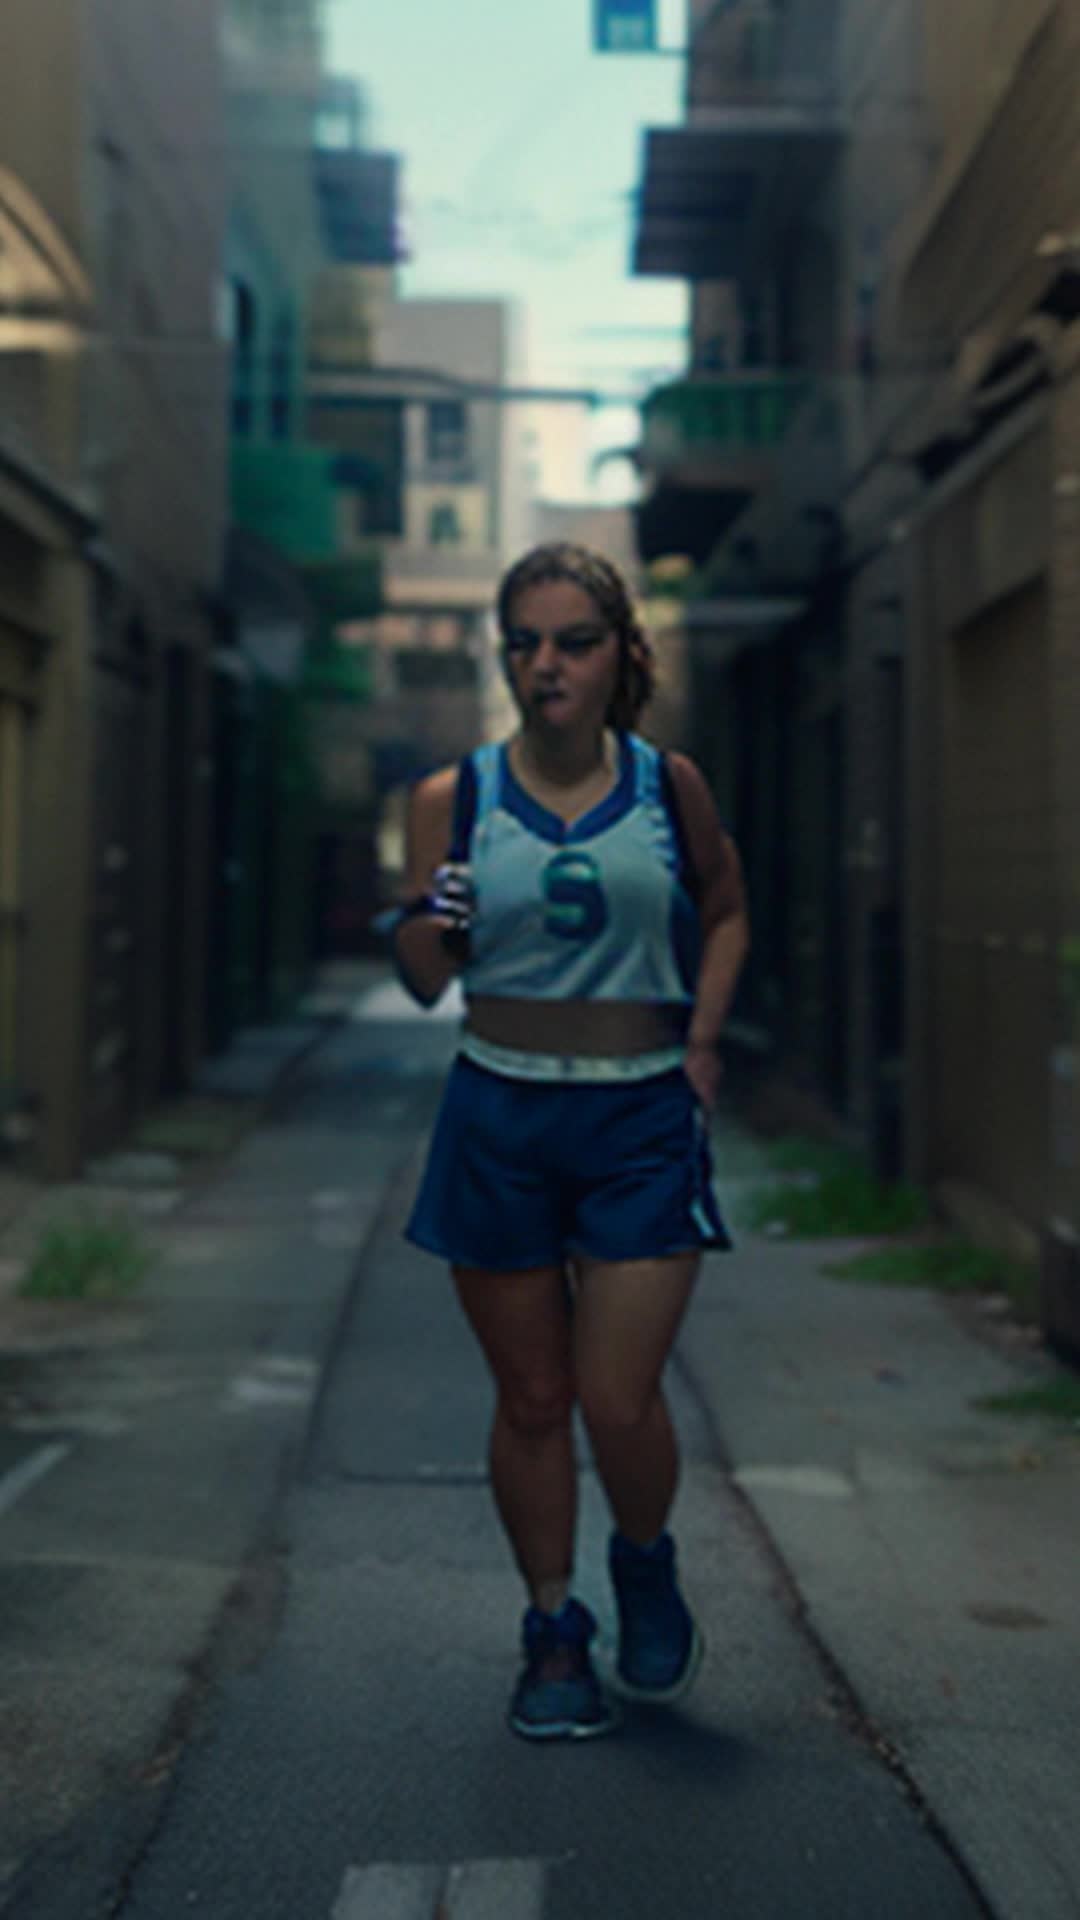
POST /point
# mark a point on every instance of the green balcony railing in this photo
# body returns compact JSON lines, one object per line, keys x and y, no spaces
{"x":284,"y":492}
{"x":716,"y":416}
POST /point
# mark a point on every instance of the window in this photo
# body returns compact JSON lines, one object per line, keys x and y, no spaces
{"x":243,"y":368}
{"x":444,"y":527}
{"x":281,"y":378}
{"x":447,"y":431}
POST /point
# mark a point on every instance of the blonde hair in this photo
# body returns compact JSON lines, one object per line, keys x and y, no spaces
{"x":595,"y":574}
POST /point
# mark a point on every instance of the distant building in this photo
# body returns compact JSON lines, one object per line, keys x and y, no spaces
{"x":453,"y":456}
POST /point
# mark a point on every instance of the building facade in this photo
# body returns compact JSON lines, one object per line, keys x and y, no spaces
{"x":981,"y":290}
{"x":874,"y":445}
{"x":313,"y":234}
{"x":112,"y":425}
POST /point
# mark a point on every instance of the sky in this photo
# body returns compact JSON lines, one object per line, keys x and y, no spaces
{"x":522,"y":152}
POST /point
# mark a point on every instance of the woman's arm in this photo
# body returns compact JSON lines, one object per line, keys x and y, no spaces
{"x":724,"y":922}
{"x":425,"y":963}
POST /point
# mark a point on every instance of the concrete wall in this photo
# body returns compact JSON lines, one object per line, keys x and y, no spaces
{"x":968,"y":262}
{"x":154,"y":213}
{"x":1063,"y":706}
{"x":985,"y":598}
{"x":110,"y":116}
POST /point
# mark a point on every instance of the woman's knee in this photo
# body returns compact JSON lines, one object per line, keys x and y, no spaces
{"x":617,"y":1406}
{"x":537,"y":1407}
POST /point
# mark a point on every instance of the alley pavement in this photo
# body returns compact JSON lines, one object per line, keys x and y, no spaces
{"x":932,"y":1547}
{"x":927,"y":1550}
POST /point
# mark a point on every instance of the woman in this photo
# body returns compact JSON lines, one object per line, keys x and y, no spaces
{"x":584,"y":888}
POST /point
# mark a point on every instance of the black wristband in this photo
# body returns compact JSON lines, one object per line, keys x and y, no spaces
{"x":412,"y":909}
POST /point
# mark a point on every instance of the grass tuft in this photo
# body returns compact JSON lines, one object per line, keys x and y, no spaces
{"x":834,"y":1195}
{"x":948,"y":1266}
{"x":87,"y":1258}
{"x":1060,"y":1399}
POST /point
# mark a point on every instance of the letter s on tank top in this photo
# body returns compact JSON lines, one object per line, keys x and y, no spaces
{"x":600,"y":909}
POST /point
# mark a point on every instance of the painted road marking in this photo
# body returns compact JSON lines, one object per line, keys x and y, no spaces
{"x":808,"y":1482}
{"x":494,"y":1889}
{"x":19,"y":1480}
{"x":389,"y":1891}
{"x":281,"y":1380}
{"x":472,"y":1890}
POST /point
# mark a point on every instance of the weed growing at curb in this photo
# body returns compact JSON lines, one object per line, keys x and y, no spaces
{"x":86,"y":1258}
{"x":1060,"y":1399}
{"x":831,"y":1194}
{"x":947,"y":1266}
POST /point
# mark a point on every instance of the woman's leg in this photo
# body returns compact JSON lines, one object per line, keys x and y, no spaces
{"x":629,"y":1314}
{"x":625,"y":1321}
{"x":522,"y":1321}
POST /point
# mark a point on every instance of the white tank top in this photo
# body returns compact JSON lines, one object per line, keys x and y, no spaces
{"x":599,"y":909}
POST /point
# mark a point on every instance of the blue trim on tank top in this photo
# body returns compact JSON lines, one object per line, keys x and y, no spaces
{"x":547,"y":825}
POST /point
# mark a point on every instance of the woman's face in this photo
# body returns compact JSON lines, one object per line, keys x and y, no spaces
{"x":562,"y":657}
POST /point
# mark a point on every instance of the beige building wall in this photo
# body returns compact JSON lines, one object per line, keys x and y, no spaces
{"x":973,"y":256}
{"x":966,"y":519}
{"x":1063,"y":725}
{"x":110,"y":122}
{"x":475,"y":342}
{"x":468,"y":341}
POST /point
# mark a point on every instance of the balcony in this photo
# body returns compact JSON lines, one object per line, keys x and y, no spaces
{"x":718,"y":427}
{"x":359,"y":206}
{"x":286,"y":494}
{"x":789,"y":545}
{"x":719,"y":196}
{"x":709,"y":442}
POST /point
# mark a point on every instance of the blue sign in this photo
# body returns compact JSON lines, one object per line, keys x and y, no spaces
{"x":624,"y":26}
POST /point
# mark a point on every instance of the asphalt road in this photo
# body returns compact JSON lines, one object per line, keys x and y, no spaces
{"x":348,"y":1756}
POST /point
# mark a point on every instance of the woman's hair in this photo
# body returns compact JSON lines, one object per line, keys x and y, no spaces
{"x":562,"y":560}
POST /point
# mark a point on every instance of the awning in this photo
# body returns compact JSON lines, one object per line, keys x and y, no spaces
{"x":718,"y":195}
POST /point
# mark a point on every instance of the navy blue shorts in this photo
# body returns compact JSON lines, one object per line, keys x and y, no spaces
{"x":521,"y":1173}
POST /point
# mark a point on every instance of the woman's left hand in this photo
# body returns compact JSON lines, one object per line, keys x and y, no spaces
{"x":702,"y":1067}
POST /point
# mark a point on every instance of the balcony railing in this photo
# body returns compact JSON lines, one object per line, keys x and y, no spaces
{"x":285,"y":493}
{"x":715,"y":416}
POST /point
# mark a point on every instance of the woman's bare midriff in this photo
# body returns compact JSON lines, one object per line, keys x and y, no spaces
{"x":604,"y":1028}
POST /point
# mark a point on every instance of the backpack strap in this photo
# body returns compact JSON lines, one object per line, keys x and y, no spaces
{"x":464,"y":816}
{"x":669,"y":794}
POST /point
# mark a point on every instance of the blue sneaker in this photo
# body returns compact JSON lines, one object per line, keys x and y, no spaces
{"x":558,"y":1696}
{"x":660,"y":1646}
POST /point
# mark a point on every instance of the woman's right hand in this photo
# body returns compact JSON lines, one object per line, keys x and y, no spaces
{"x":432,"y":940}
{"x":453,"y":896}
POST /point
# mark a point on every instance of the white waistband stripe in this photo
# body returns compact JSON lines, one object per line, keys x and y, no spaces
{"x":521,"y":1065}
